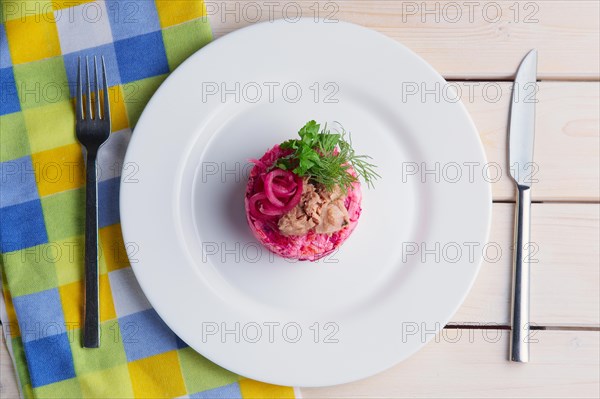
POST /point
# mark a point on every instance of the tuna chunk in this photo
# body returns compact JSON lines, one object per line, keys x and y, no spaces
{"x":295,"y":223}
{"x":319,"y":210}
{"x":334,"y":217}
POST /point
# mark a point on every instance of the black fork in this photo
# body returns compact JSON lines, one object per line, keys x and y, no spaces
{"x":93,"y":129}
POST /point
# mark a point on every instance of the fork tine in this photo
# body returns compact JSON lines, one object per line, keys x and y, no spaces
{"x":79,"y":94}
{"x":88,"y":101}
{"x":97,"y":85}
{"x":106,"y":112}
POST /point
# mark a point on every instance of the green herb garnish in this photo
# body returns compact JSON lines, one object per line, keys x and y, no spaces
{"x":314,"y":155}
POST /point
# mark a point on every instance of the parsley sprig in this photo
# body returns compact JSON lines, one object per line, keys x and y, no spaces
{"x":326,"y":158}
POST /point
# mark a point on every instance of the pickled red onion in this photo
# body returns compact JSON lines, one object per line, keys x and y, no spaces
{"x":269,"y":186}
{"x":282,"y":192}
{"x":295,"y":200}
{"x":254,"y":205}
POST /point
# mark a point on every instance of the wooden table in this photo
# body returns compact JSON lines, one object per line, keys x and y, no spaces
{"x":478,"y":45}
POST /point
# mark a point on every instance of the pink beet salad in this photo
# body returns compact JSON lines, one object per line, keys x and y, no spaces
{"x":303,"y":197}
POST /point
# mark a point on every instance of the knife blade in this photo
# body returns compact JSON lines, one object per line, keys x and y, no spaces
{"x":522,"y":120}
{"x":521,"y":136}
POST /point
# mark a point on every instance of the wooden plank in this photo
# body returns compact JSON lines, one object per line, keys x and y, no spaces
{"x":566,"y":142}
{"x":564,"y":279}
{"x":461,"y":39}
{"x":568,"y":272}
{"x":8,"y":378}
{"x":472,"y":364}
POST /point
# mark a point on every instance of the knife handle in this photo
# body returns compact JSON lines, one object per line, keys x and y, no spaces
{"x":519,"y":345}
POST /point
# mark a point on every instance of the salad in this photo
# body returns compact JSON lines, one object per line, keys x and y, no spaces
{"x":303,"y":197}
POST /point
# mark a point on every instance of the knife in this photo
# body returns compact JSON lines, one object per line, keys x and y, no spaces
{"x":521,"y":136}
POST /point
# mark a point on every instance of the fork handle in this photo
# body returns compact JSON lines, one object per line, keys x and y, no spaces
{"x":519,"y":345}
{"x":91,"y":308}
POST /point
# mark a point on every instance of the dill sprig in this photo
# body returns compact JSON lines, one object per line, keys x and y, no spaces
{"x":326,"y":158}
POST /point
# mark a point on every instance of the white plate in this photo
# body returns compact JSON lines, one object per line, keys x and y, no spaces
{"x":357,"y":312}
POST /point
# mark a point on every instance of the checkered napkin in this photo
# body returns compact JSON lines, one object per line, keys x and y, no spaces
{"x":42,"y":202}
